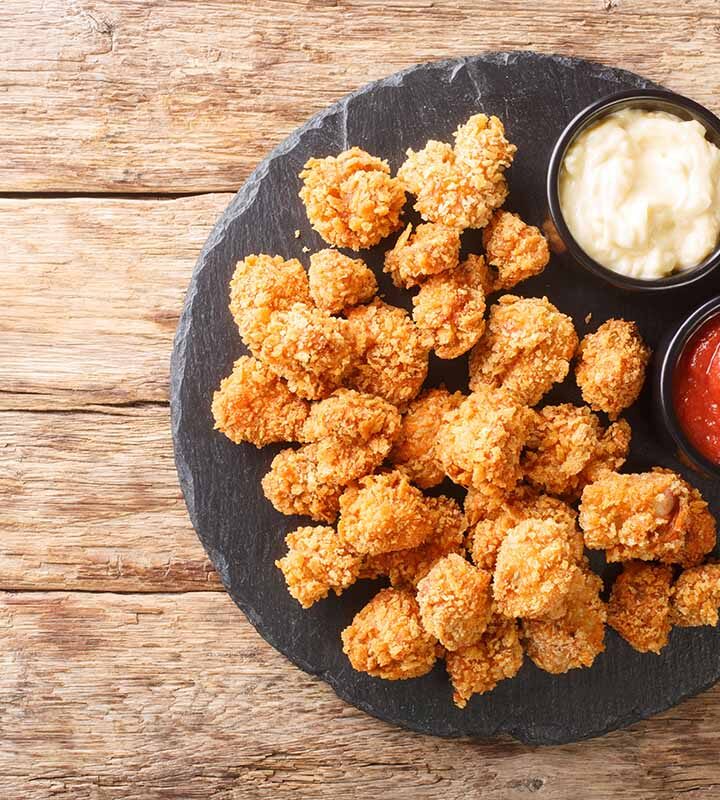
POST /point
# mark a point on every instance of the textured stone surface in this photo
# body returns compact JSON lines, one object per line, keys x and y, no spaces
{"x":535,"y":96}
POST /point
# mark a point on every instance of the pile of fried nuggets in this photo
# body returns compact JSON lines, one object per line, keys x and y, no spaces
{"x":340,"y":371}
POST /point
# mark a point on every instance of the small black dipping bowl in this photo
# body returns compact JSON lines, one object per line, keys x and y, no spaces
{"x":666,"y":360}
{"x":651,"y":100}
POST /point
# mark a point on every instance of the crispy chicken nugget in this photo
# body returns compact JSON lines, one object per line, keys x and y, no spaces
{"x":611,"y":365}
{"x":415,"y":451}
{"x":481,"y":143}
{"x":392,"y":353}
{"x":481,"y":666}
{"x":337,"y":281}
{"x":387,"y":639}
{"x":526,"y":348}
{"x":639,"y":607}
{"x":696,"y":596}
{"x":517,"y":250}
{"x":317,"y":561}
{"x":254,"y":405}
{"x":432,"y":249}
{"x":455,"y":602}
{"x":351,"y":200}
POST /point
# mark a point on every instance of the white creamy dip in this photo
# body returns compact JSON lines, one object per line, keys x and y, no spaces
{"x":640,"y":193}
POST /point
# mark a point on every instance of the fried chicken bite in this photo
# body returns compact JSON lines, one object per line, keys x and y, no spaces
{"x":392,"y":354}
{"x":611,"y":365}
{"x":415,"y":450}
{"x":649,"y":516}
{"x":568,"y":448}
{"x":386,"y":639}
{"x":351,"y":200}
{"x":455,"y":602}
{"x":479,"y":668}
{"x":695,"y":597}
{"x":337,"y":281}
{"x":254,"y":405}
{"x":432,"y":249}
{"x":316,"y":562}
{"x":518,"y":251}
{"x":526,"y":348}
{"x":639,"y":606}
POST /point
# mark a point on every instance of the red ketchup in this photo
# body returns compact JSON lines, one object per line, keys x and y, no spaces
{"x":697,"y":390}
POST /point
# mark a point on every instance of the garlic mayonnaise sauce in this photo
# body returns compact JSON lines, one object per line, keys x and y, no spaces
{"x":640,"y":193}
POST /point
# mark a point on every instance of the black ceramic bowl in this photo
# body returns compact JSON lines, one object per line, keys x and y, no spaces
{"x":666,"y":360}
{"x":652,"y":100}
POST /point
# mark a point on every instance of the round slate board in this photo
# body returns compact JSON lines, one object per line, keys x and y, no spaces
{"x":535,"y":96}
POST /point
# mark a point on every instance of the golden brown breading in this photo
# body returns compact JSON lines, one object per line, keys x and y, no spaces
{"x":455,"y":602}
{"x":414,"y":451}
{"x":254,"y":405}
{"x":316,"y":562}
{"x":567,"y":448}
{"x":432,"y":249}
{"x":639,"y":606}
{"x":351,"y":200}
{"x":526,"y":348}
{"x":611,"y":365}
{"x":337,"y":281}
{"x":481,"y":666}
{"x":387,"y":639}
{"x":650,"y":516}
{"x":450,"y":307}
{"x":481,"y":144}
{"x":576,"y":636}
{"x":310,"y":349}
{"x":517,"y":250}
{"x":696,"y":596}
{"x":483,"y":275}
{"x":392,"y":354}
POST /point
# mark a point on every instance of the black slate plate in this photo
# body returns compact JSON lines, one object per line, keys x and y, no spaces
{"x":535,"y":96}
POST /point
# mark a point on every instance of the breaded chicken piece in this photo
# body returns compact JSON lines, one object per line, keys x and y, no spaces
{"x":254,"y":405}
{"x":639,"y":606}
{"x":649,"y":516}
{"x":392,"y":354}
{"x":480,"y":441}
{"x":337,"y":281}
{"x":696,"y":596}
{"x":294,"y":485}
{"x":479,"y":668}
{"x":483,"y":275}
{"x":455,"y":602}
{"x":351,"y":200}
{"x":568,"y":448}
{"x":316,"y":562}
{"x":414,"y":451}
{"x":310,"y":349}
{"x":383,"y":513}
{"x":610,"y":369}
{"x":535,"y":568}
{"x":432,"y":249}
{"x":461,"y":186}
{"x":450,"y":307}
{"x":576,"y":635}
{"x":526,"y":348}
{"x":386,"y":639}
{"x":517,"y":250}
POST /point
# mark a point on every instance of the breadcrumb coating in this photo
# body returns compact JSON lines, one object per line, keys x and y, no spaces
{"x":337,"y":281}
{"x":483,"y":275}
{"x":392,"y":354}
{"x":432,"y":249}
{"x":517,"y":250}
{"x":387,"y":639}
{"x":481,"y":143}
{"x":479,"y":668}
{"x":611,"y":366}
{"x":696,"y":596}
{"x":316,"y":562}
{"x":455,"y":602}
{"x":415,"y":451}
{"x":639,"y":606}
{"x":351,"y":200}
{"x":526,"y":348}
{"x":254,"y":405}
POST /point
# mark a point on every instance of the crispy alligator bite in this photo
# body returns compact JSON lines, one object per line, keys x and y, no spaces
{"x":696,"y":596}
{"x":433,"y":248}
{"x":337,"y":281}
{"x":518,"y":251}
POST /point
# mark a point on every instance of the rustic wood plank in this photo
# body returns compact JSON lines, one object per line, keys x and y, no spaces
{"x":152,"y":95}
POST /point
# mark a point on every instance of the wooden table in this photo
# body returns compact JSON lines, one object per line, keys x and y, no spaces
{"x":125,"y":671}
